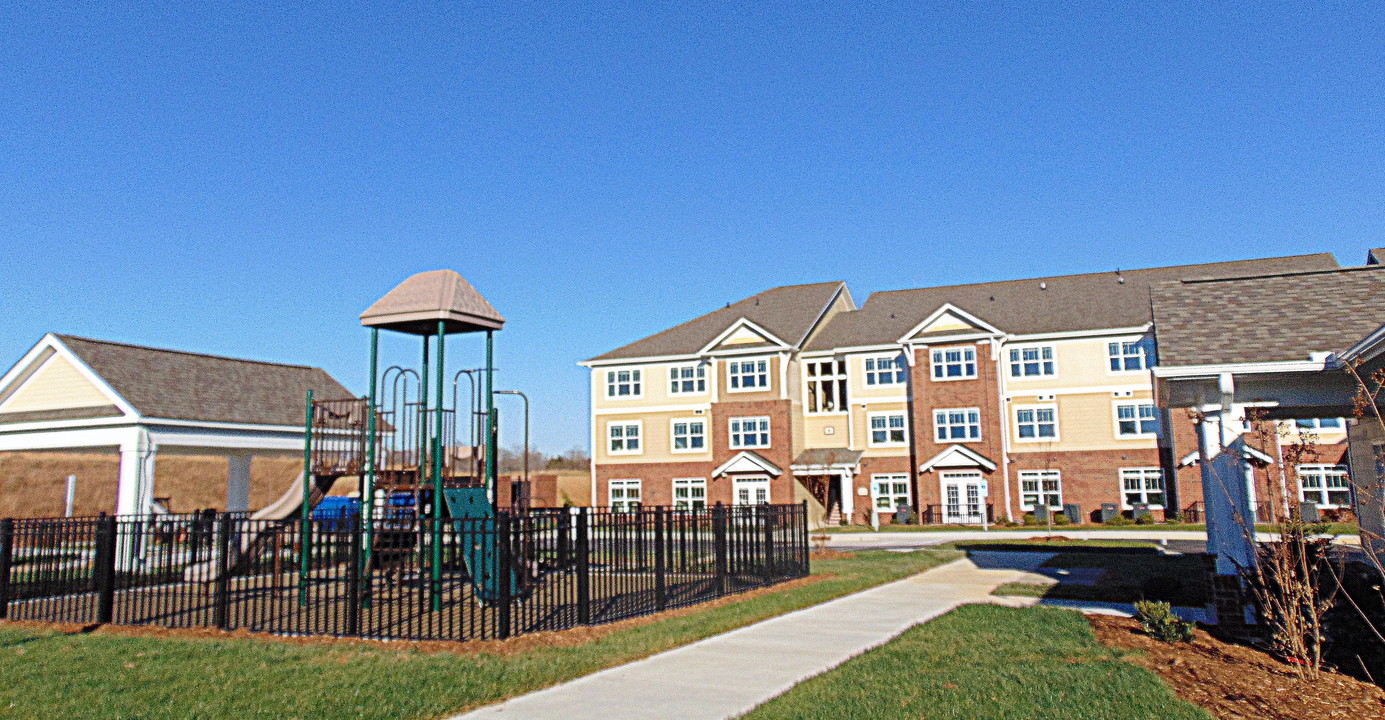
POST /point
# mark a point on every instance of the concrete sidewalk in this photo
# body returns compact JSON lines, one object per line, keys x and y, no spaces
{"x":728,"y":675}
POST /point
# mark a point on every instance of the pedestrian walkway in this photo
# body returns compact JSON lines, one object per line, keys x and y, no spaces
{"x":728,"y":675}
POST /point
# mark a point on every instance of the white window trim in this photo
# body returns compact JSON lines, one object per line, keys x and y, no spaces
{"x":607,"y":383}
{"x":1322,"y":491}
{"x":980,"y":431}
{"x":1009,"y":374}
{"x":1106,"y":351}
{"x":753,"y":480}
{"x":892,"y":359}
{"x":1120,"y":484}
{"x":975,"y":363}
{"x":706,"y":381}
{"x":1057,"y":424}
{"x":870,"y":442}
{"x":731,"y":434}
{"x":1317,"y":427}
{"x":807,"y":388}
{"x":1038,"y":476}
{"x":769,"y":375}
{"x":687,"y":482}
{"x":891,"y":478}
{"x":706,"y":446}
{"x":637,"y":423}
{"x":1116,"y":419}
{"x":624,"y":483}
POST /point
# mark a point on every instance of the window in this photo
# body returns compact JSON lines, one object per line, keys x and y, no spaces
{"x":625,"y":495}
{"x":1036,"y":423}
{"x":1127,"y":356}
{"x":750,"y":491}
{"x":826,"y":386}
{"x":689,"y":493}
{"x":1137,"y":420}
{"x":687,"y":379}
{"x":890,"y":491}
{"x":1333,"y":424}
{"x":956,"y":363}
{"x":689,"y":435}
{"x":747,"y":375}
{"x":887,"y":429}
{"x":951,"y":424}
{"x":623,"y":383}
{"x":1032,"y":362}
{"x":887,"y":370}
{"x":1327,"y":485}
{"x":749,"y":432}
{"x":624,"y":437}
{"x":1041,"y":487}
{"x":1142,"y":485}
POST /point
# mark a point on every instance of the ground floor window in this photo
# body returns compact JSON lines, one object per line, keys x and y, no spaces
{"x":1327,"y":485}
{"x":1040,"y":487}
{"x":890,"y":491}
{"x":625,"y":495}
{"x":751,"y":491}
{"x":1142,"y":485}
{"x":689,"y":493}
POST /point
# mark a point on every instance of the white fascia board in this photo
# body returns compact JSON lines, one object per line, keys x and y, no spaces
{"x":753,"y":462}
{"x":193,"y":437}
{"x":651,"y":409}
{"x":852,"y":468}
{"x":90,"y":375}
{"x":1212,"y":372}
{"x":24,"y":362}
{"x":1072,"y":334}
{"x":952,"y":339}
{"x":210,"y":425}
{"x":853,"y":350}
{"x":645,"y":360}
{"x":950,"y":308}
{"x":743,"y":323}
{"x":69,"y":438}
{"x":1011,"y":392}
{"x":971,"y":455}
{"x":76,"y":424}
{"x":841,"y":287}
{"x":747,"y":352}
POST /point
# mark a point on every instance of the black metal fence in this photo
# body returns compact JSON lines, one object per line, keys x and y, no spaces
{"x":405,"y":579}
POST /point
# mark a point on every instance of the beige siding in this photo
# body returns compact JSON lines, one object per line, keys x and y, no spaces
{"x":860,"y":421}
{"x":1086,"y":421}
{"x":1081,"y":362}
{"x":56,"y":385}
{"x":656,"y":438}
{"x":815,"y":431}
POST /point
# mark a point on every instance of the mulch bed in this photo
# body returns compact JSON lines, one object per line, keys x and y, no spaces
{"x":1234,"y":681}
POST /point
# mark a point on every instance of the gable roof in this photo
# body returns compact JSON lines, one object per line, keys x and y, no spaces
{"x":1375,"y":256}
{"x":789,"y":312}
{"x":1268,"y":318}
{"x":416,"y":306}
{"x":1061,"y":303}
{"x":176,"y":385}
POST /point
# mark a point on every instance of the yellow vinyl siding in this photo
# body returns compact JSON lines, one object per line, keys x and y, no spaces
{"x":56,"y":385}
{"x":724,"y":381}
{"x":656,"y":438}
{"x":1081,"y":362}
{"x":1086,"y":421}
{"x":815,"y":436}
{"x":860,"y":420}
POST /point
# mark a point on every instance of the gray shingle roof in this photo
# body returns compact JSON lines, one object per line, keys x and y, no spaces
{"x":187,"y":386}
{"x":1038,"y":305}
{"x":788,"y":312}
{"x":1267,"y":318}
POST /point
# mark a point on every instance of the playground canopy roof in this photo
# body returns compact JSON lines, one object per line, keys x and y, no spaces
{"x":416,"y":305}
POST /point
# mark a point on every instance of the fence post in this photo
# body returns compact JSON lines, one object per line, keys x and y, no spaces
{"x":105,"y":568}
{"x":584,"y":570}
{"x":801,"y":539}
{"x":719,"y":546}
{"x":353,"y":580}
{"x":221,"y":603}
{"x":770,"y":513}
{"x":660,"y":560}
{"x":564,"y":541}
{"x":504,"y":571}
{"x":6,"y":561}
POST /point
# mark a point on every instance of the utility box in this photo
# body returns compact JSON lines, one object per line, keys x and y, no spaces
{"x":1109,"y":510}
{"x":1074,"y":513}
{"x":1139,"y":509}
{"x":1041,"y":513}
{"x":1309,"y":512}
{"x":903,"y":515}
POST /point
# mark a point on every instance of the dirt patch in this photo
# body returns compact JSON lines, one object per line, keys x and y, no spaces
{"x":524,"y":643}
{"x":830,"y":555}
{"x":1235,"y":682}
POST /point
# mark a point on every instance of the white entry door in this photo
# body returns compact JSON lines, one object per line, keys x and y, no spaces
{"x":750,"y":491}
{"x":963,"y":501}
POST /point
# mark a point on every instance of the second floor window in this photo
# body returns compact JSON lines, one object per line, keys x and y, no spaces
{"x":689,"y":435}
{"x":1137,"y":419}
{"x":826,"y":385}
{"x":1332,"y":424}
{"x":1036,"y":423}
{"x":749,"y":432}
{"x":1032,"y":362}
{"x":623,"y":383}
{"x":748,"y":374}
{"x":955,"y":363}
{"x":957,"y":424}
{"x":1128,"y":355}
{"x":887,"y":429}
{"x":887,"y":370}
{"x":624,"y":438}
{"x":687,"y":379}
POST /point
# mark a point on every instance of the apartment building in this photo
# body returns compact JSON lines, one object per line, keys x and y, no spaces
{"x":958,"y":401}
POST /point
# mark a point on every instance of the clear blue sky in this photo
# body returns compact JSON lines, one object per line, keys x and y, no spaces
{"x":246,"y":181}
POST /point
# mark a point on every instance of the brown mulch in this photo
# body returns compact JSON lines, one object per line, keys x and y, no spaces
{"x":830,"y":555}
{"x":1235,"y":682}
{"x":523,"y":643}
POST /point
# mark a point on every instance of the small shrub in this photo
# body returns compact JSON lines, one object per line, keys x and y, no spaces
{"x":1174,"y":517}
{"x":1061,"y":519}
{"x":1119,"y":520}
{"x":1144,"y":519}
{"x":1029,"y":519}
{"x":1158,"y":620}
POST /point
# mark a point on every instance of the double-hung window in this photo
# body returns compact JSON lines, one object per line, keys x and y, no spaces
{"x":689,"y":436}
{"x":623,"y":383}
{"x":890,"y":491}
{"x":887,"y":429}
{"x":625,"y":495}
{"x":623,"y":438}
{"x":687,"y":379}
{"x":749,"y":432}
{"x":1128,"y":355}
{"x":954,"y":424}
{"x":885,"y":370}
{"x":1142,"y":485}
{"x":747,"y":375}
{"x":1035,"y":423}
{"x":826,"y":385}
{"x":1327,"y":485}
{"x":1041,"y":487}
{"x":1329,"y":424}
{"x":1034,"y":361}
{"x":954,"y":363}
{"x":689,"y":493}
{"x":1137,"y":420}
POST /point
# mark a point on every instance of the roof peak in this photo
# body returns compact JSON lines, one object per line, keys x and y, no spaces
{"x":1295,"y":273}
{"x":424,"y":300}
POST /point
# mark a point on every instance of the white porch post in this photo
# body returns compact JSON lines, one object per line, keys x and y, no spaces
{"x":135,"y":493}
{"x":238,"y":482}
{"x":848,"y":496}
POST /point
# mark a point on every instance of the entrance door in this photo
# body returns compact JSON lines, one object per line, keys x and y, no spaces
{"x":962,"y":500}
{"x":750,"y":491}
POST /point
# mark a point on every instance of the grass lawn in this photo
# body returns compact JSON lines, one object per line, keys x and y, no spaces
{"x":49,"y":674}
{"x":983,"y":661}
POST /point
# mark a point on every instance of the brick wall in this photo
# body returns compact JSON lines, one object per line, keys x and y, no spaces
{"x":980,"y":392}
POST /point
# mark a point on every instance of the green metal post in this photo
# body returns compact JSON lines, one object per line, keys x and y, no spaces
{"x":368,"y":490}
{"x":305,"y":535}
{"x":490,"y":420}
{"x":437,"y":474}
{"x":424,"y":453}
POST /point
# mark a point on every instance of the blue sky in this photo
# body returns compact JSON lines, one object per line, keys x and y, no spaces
{"x":245,"y":180}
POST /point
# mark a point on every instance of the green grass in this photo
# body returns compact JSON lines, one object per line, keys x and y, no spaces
{"x":981,"y":662}
{"x":48,"y":674}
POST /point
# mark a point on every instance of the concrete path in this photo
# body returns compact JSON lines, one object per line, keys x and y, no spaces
{"x":730,"y":674}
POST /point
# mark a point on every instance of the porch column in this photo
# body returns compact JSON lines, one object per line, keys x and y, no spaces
{"x":1226,"y":493}
{"x":848,"y":496}
{"x":135,"y":491}
{"x":238,"y":482}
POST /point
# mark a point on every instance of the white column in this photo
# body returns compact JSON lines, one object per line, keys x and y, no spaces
{"x":238,"y":482}
{"x":848,"y":496}
{"x":135,"y":492}
{"x":1226,"y":495}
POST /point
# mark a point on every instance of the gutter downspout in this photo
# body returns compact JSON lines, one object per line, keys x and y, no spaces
{"x":1004,"y":411}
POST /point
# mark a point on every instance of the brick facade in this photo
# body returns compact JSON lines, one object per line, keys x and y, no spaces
{"x":979,"y":392}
